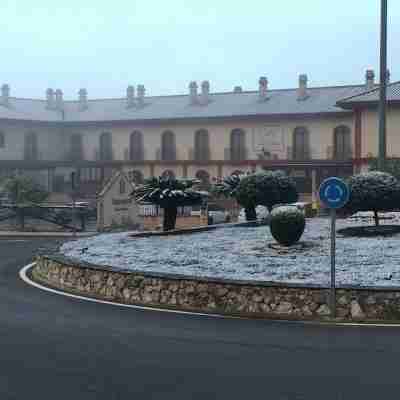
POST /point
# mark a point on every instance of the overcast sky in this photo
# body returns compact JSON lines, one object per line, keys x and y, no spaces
{"x":106,"y":45}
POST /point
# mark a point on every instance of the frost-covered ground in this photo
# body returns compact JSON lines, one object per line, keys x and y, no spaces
{"x":244,"y":253}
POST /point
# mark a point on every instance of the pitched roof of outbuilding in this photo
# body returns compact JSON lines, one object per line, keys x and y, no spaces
{"x":371,"y":97}
{"x":112,"y":180}
{"x":320,"y":100}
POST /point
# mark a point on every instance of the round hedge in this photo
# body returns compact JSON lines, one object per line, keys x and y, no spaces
{"x":266,"y":188}
{"x":287,"y":224}
{"x":373,"y":191}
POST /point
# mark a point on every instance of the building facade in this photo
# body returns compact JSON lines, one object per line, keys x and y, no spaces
{"x":310,"y":132}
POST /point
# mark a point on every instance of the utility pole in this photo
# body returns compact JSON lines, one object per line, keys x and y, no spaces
{"x":382,"y":91}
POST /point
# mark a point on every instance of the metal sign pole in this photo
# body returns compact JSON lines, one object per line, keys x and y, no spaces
{"x":73,"y":185}
{"x":334,"y":193}
{"x":333,"y":264}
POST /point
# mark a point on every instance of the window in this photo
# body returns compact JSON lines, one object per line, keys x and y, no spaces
{"x":238,"y":145}
{"x":122,"y":186}
{"x":106,"y":147}
{"x":136,"y":177}
{"x":76,"y":147}
{"x":2,"y":140}
{"x":31,"y":147}
{"x":301,"y":144}
{"x":136,"y":150}
{"x":201,"y":146}
{"x":168,"y":146}
{"x":168,"y":174}
{"x":342,"y":143}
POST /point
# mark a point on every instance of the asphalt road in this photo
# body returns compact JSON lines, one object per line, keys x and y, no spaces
{"x":54,"y":347}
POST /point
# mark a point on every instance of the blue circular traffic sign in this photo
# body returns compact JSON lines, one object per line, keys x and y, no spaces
{"x":334,"y":192}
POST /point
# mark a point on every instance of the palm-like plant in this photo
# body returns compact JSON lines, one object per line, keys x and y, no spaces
{"x":169,"y":194}
{"x":228,"y":187}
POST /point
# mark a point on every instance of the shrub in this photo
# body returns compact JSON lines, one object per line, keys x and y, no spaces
{"x":228,"y":188}
{"x":267,"y":189}
{"x":169,"y":194}
{"x":287,"y":224}
{"x":373,"y":191}
{"x":392,"y":166}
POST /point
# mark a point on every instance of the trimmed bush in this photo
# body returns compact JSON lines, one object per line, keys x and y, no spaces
{"x":373,"y":191}
{"x":266,"y":189}
{"x":228,"y":188}
{"x":287,"y":224}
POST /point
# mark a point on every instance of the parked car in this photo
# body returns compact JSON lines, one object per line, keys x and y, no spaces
{"x":217,"y":217}
{"x":261,"y":211}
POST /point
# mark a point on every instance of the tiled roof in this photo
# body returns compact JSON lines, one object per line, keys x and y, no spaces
{"x":372,"y":96}
{"x":221,"y":105}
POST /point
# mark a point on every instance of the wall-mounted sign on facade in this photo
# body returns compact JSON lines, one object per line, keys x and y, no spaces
{"x":270,"y":141}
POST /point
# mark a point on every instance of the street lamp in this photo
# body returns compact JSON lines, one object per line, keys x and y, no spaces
{"x":382,"y":91}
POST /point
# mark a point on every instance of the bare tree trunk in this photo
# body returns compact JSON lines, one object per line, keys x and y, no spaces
{"x":376,"y":218}
{"x":169,"y":221}
{"x":251,"y":214}
{"x":20,"y":212}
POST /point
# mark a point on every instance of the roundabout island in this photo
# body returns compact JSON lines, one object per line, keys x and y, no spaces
{"x":233,"y":270}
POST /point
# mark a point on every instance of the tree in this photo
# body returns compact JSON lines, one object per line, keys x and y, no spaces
{"x":169,"y":193}
{"x":373,"y":191}
{"x":392,"y":166}
{"x":23,"y":191}
{"x":267,"y":189}
{"x":228,"y":188}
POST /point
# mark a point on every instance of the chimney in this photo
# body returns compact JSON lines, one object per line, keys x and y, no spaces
{"x":205,"y":92}
{"x":130,"y":96}
{"x":5,"y":95}
{"x":302,"y":91}
{"x":50,"y":102}
{"x":59,"y":99}
{"x":193,"y":92}
{"x":83,"y":104}
{"x":141,"y":91}
{"x":370,"y":79}
{"x":263,"y":88}
{"x":237,"y":89}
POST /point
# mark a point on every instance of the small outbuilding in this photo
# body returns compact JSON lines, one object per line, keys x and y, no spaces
{"x":116,"y":209}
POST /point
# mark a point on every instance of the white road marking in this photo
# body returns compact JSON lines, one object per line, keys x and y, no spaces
{"x":24,"y":276}
{"x":12,"y":240}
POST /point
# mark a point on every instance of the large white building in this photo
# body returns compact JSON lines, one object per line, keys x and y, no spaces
{"x":311,"y":132}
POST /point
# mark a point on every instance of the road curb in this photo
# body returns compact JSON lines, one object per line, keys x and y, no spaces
{"x":24,"y":275}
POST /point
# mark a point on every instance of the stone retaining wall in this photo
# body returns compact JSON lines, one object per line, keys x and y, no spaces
{"x":214,"y":295}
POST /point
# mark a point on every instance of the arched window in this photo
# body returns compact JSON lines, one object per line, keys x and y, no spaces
{"x":168,"y":146}
{"x":201,"y":146}
{"x":168,"y":174}
{"x":136,"y":150}
{"x":136,"y":176}
{"x":106,"y":147}
{"x":76,"y":147}
{"x":31,"y":147}
{"x":301,"y":144}
{"x":204,"y":177}
{"x":342,"y":143}
{"x":2,"y":140}
{"x":122,"y":186}
{"x":238,"y":145}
